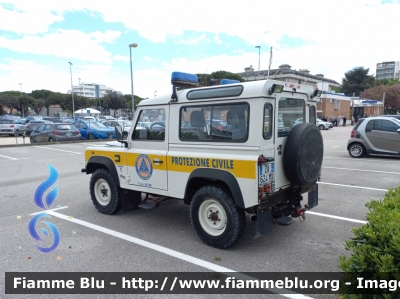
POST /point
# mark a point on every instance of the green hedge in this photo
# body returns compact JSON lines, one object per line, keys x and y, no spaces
{"x":375,"y":249}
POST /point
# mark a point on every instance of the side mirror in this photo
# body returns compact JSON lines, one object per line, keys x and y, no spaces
{"x":119,"y":134}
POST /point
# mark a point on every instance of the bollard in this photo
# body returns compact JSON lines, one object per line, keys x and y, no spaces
{"x":23,"y":137}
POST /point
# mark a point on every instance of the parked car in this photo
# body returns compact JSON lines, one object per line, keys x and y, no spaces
{"x":323,"y":125}
{"x":375,"y":135}
{"x":33,"y":124}
{"x":94,"y":130}
{"x":157,"y":126}
{"x":106,"y":117}
{"x":126,"y":126}
{"x":29,"y":118}
{"x":11,"y":127}
{"x":55,"y":133}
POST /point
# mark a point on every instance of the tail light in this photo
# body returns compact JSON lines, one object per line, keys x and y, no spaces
{"x":56,"y":132}
{"x":11,"y":126}
{"x":77,"y":132}
{"x":352,"y":134}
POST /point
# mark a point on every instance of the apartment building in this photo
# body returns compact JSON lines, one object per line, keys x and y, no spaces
{"x":387,"y":70}
{"x":91,"y":90}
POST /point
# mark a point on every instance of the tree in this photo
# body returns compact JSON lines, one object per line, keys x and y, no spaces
{"x":392,"y":95}
{"x":9,"y":100}
{"x":26,"y":101}
{"x":39,"y":104}
{"x":357,"y":80}
{"x":114,"y":100}
{"x":128,"y":98}
{"x":205,"y":78}
{"x":389,"y":82}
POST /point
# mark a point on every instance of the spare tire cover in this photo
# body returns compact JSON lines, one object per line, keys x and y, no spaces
{"x":303,"y":154}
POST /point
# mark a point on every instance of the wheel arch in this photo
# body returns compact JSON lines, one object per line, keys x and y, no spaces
{"x":97,"y":162}
{"x":203,"y":176}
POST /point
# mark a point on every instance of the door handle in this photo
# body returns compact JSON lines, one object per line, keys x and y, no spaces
{"x":156,"y":160}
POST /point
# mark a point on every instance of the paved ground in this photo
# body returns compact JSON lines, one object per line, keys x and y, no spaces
{"x":163,"y":239}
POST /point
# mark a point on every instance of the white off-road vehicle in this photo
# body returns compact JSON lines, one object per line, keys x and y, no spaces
{"x":225,"y":150}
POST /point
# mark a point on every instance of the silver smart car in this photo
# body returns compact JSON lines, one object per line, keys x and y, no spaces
{"x":375,"y":135}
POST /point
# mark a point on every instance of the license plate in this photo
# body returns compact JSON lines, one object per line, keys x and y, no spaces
{"x":68,"y":134}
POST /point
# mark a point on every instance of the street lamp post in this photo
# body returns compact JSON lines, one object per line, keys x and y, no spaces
{"x":134,"y":45}
{"x":259,"y":49}
{"x":22,"y":106}
{"x":72,"y":92}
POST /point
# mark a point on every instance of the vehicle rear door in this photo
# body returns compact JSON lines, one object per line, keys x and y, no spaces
{"x":147,"y":156}
{"x":289,"y":108}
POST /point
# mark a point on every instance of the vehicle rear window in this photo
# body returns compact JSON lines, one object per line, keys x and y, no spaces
{"x":65,"y":127}
{"x":358,"y":124}
{"x":5,"y":122}
{"x":289,"y":110}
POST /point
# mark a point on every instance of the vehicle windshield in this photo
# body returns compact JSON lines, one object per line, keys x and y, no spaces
{"x":95,"y":124}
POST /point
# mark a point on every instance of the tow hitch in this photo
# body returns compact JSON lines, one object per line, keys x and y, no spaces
{"x":302,"y":213}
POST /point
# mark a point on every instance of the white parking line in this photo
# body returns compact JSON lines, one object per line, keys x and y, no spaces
{"x":58,"y":150}
{"x":13,"y":159}
{"x":46,"y":211}
{"x":173,"y":253}
{"x":353,"y":169}
{"x":350,"y":186}
{"x":337,"y":217}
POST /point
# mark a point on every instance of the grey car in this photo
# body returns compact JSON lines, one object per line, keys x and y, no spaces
{"x":55,"y":133}
{"x":375,"y":135}
{"x":33,"y":124}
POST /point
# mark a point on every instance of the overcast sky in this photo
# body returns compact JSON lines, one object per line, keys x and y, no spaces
{"x":39,"y":38}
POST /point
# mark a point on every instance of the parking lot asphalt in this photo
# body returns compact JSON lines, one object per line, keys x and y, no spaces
{"x":163,"y":239}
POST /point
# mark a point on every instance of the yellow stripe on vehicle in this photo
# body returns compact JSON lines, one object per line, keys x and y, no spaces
{"x":239,"y":168}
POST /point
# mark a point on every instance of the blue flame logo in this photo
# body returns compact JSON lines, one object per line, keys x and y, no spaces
{"x":38,"y":200}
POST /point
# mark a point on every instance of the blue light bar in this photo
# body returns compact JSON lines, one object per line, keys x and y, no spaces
{"x":228,"y":81}
{"x":184,"y":78}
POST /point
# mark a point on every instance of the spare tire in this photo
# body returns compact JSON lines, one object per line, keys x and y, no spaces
{"x":303,"y":154}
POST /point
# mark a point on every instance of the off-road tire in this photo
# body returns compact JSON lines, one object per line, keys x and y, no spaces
{"x":111,"y":203}
{"x":303,"y":154}
{"x":218,"y":198}
{"x":356,"y":150}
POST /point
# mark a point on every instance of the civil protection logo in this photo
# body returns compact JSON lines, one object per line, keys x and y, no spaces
{"x":39,"y":201}
{"x":144,"y":167}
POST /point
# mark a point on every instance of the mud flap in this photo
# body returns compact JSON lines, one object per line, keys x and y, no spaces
{"x":130,"y":200}
{"x":263,"y":224}
{"x":313,"y":198}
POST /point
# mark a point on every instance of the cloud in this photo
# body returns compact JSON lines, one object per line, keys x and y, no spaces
{"x":194,"y":41}
{"x":71,"y":44}
{"x":217,"y":40}
{"x":121,"y":58}
{"x":147,"y":58}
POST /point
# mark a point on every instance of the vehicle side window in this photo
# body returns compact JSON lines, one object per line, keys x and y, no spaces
{"x":156,"y":130}
{"x":40,"y":128}
{"x":47,"y":127}
{"x":311,"y":112}
{"x":268,"y":117}
{"x":369,"y":126}
{"x":289,"y":109}
{"x":389,"y":126}
{"x":218,"y":123}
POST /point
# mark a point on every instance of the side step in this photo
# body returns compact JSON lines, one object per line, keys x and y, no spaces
{"x":283,"y":220}
{"x":150,"y":203}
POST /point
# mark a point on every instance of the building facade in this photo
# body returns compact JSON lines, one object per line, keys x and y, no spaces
{"x":285,"y":73}
{"x":91,"y":90}
{"x":387,"y":70}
